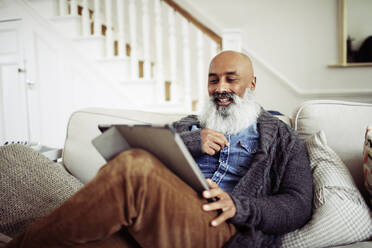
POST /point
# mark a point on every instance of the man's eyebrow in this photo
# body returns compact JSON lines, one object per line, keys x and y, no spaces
{"x":231,"y":73}
{"x":226,"y":73}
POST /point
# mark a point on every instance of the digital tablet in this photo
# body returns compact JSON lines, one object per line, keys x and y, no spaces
{"x":162,"y":141}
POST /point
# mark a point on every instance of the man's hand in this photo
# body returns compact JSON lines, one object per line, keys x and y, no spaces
{"x":224,"y":203}
{"x":212,"y":141}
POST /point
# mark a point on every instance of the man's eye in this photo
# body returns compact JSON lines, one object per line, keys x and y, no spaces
{"x":231,"y":79}
{"x":213,"y":81}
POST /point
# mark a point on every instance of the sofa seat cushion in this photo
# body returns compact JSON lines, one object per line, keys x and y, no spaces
{"x":340,"y":214}
{"x":31,"y":186}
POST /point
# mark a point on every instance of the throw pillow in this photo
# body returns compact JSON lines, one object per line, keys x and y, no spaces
{"x":31,"y":186}
{"x":340,"y":215}
{"x":367,"y":163}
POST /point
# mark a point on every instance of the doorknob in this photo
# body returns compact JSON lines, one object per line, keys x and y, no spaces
{"x":30,"y":83}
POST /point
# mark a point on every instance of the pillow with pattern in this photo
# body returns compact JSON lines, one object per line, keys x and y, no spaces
{"x":367,"y":162}
{"x":340,"y":214}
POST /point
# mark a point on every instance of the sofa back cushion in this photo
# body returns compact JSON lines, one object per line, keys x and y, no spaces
{"x":80,"y":157}
{"x":344,"y":124}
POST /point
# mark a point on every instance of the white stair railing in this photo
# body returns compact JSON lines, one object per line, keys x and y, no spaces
{"x":109,"y":34}
{"x":133,"y":39}
{"x":146,"y":39}
{"x":159,"y":73}
{"x":180,"y":50}
{"x":172,"y":54}
{"x":121,"y":25}
{"x":97,"y":18}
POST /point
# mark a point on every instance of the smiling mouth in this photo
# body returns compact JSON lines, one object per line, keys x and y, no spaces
{"x":223,"y":101}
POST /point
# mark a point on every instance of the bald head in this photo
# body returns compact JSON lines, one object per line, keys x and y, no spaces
{"x":231,"y":72}
{"x":234,"y":57}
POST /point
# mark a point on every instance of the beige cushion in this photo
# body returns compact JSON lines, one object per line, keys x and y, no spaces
{"x":31,"y":186}
{"x":340,"y":215}
{"x":344,"y":124}
{"x":79,"y":156}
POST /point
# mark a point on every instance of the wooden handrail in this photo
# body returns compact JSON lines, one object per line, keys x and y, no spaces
{"x":209,"y":32}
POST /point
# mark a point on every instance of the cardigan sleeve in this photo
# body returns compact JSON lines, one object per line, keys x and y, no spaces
{"x":288,"y":209}
{"x":192,"y":139}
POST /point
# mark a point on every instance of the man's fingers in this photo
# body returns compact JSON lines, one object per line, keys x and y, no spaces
{"x":220,"y":136}
{"x":225,"y":215}
{"x":220,"y":204}
{"x":220,"y":141}
{"x":209,"y":151}
{"x":210,"y":136}
{"x":214,"y":146}
{"x":211,"y":183}
{"x":215,"y":191}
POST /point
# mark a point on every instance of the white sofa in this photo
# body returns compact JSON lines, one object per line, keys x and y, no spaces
{"x":344,"y":124}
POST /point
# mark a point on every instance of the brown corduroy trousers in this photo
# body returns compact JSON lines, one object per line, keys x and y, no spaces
{"x":134,"y":201}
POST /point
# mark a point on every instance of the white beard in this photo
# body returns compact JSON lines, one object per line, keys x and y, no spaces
{"x":232,"y":119}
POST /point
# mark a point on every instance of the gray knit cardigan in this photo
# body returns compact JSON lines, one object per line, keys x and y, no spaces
{"x":275,"y":195}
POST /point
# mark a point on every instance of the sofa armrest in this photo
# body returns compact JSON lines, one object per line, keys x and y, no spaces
{"x":79,"y":157}
{"x":344,"y":124}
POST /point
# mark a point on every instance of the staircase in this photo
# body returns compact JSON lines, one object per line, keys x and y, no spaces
{"x":150,"y":46}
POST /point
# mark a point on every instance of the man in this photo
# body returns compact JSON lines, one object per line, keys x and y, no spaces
{"x":258,"y":169}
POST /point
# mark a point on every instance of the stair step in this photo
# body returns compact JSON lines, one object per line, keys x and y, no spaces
{"x":92,"y":46}
{"x":70,"y":26}
{"x":140,"y":90}
{"x":117,"y":67}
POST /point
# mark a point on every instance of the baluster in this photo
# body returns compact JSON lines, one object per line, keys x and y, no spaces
{"x":186,"y":63}
{"x":200,"y":70}
{"x":172,"y":53}
{"x":109,"y":39}
{"x":62,"y":7}
{"x":159,"y":52}
{"x":120,"y":13}
{"x":146,"y":39}
{"x":73,"y":6}
{"x":85,"y":14}
{"x":97,"y":18}
{"x":133,"y":39}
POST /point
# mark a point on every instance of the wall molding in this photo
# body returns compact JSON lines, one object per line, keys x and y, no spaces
{"x":302,"y":92}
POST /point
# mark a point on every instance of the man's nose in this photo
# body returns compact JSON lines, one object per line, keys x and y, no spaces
{"x":221,"y":87}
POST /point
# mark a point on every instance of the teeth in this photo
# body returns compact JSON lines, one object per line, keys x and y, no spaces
{"x":223,"y":99}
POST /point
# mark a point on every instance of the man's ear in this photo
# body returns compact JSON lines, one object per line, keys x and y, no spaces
{"x":252,"y":85}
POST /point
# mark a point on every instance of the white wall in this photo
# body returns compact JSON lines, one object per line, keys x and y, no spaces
{"x":296,"y":38}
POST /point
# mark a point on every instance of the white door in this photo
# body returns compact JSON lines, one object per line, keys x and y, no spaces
{"x":14,"y":125}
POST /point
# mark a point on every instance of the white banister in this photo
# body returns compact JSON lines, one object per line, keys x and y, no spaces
{"x":109,"y":38}
{"x":73,"y":7}
{"x":146,"y":39}
{"x":200,"y":72}
{"x":85,"y":17}
{"x":121,"y":22}
{"x":186,"y":63}
{"x":172,"y":54}
{"x":97,"y":18}
{"x":62,"y":7}
{"x":159,"y":52}
{"x":133,"y":39}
